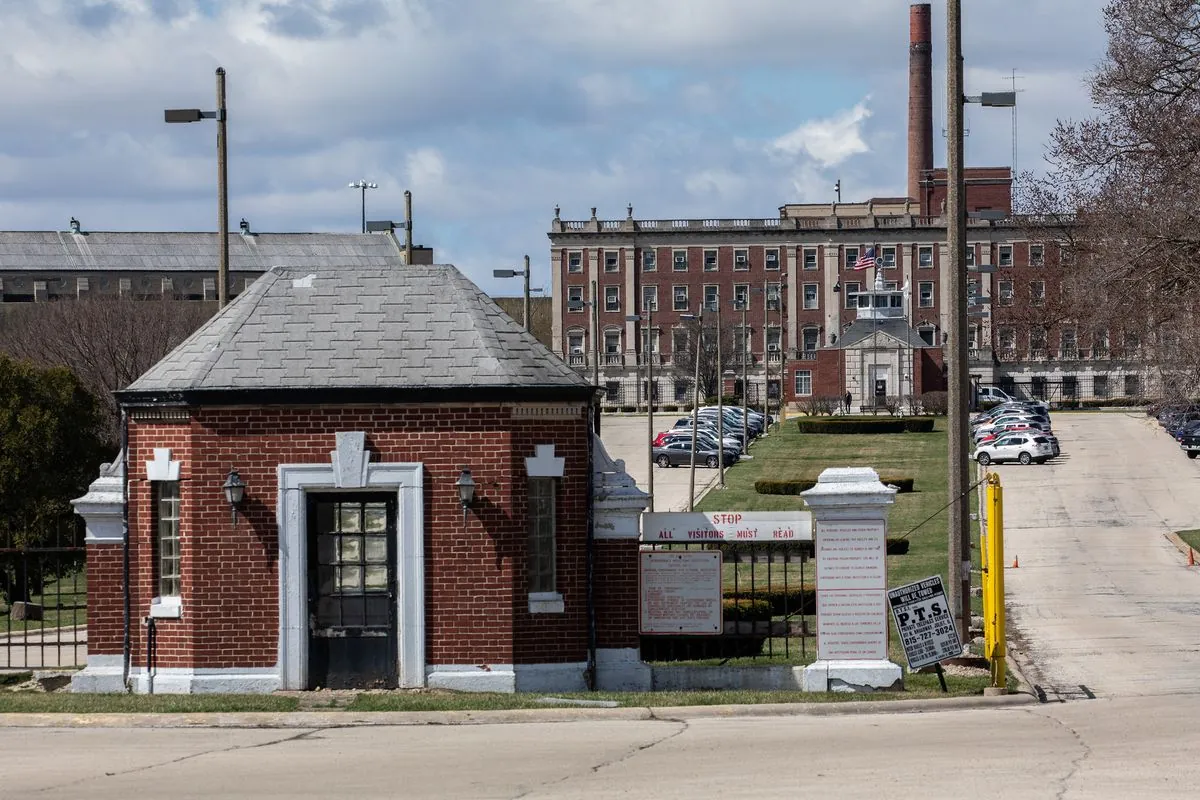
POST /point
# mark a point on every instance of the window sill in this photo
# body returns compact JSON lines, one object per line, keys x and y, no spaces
{"x":546,"y":603}
{"x":166,"y":608}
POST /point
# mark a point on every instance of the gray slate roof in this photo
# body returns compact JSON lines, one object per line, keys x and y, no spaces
{"x":349,"y":327}
{"x":898,"y":329}
{"x":53,"y":251}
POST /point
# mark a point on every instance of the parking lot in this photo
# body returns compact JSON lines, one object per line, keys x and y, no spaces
{"x":1100,"y":597}
{"x":628,"y":437}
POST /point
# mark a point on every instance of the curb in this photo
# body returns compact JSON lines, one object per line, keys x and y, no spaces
{"x":316,"y":720}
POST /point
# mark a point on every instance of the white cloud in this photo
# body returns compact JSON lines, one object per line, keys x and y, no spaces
{"x":830,"y":141}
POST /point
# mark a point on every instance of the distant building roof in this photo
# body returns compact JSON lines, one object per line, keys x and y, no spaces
{"x":115,"y":251}
{"x":419,"y":331}
{"x":862,"y":329}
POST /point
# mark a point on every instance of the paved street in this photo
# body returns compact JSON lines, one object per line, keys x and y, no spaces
{"x":1120,"y":748}
{"x":1101,"y":598}
{"x":625,"y":437}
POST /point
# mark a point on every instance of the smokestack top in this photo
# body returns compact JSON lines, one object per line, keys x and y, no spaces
{"x":920,"y":30}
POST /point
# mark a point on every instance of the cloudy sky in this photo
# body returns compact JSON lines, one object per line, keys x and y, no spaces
{"x":493,"y":111}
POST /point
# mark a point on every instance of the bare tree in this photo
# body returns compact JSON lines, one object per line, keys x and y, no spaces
{"x":1123,"y":188}
{"x":106,"y":341}
{"x":710,"y":369}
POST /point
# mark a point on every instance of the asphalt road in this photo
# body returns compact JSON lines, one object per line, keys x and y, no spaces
{"x":627,"y":436}
{"x":1117,"y":748}
{"x":1101,"y":598}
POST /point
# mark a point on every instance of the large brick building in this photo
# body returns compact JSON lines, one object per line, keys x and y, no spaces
{"x":794,"y":272}
{"x":354,"y":404}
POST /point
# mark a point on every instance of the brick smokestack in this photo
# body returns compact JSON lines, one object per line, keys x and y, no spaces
{"x":920,"y":96}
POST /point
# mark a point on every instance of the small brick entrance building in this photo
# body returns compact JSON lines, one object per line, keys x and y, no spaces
{"x":353,"y":404}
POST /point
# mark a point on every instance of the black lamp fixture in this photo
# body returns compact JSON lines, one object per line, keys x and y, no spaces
{"x":466,"y":490}
{"x":837,"y":287}
{"x":235,"y":490}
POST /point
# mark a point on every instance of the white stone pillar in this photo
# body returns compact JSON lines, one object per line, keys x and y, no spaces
{"x":850,"y":509}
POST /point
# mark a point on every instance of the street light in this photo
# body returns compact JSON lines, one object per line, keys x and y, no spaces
{"x":957,"y":374}
{"x":362,"y":186}
{"x":512,"y":273}
{"x":195,"y":115}
{"x":578,"y":305}
{"x":649,"y":320}
{"x":744,"y":306}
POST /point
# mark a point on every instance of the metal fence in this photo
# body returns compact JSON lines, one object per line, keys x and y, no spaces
{"x":43,"y":596}
{"x":769,"y":608}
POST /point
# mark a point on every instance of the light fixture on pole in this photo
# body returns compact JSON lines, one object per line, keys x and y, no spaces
{"x":362,"y":186}
{"x":648,"y":318}
{"x":195,"y":115}
{"x":578,"y":305}
{"x":512,"y":273}
{"x":957,"y":374}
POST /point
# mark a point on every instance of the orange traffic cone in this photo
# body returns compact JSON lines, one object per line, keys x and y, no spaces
{"x":1016,"y":563}
{"x":1191,"y":557}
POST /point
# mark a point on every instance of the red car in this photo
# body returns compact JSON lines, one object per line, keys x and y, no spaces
{"x":658,"y":440}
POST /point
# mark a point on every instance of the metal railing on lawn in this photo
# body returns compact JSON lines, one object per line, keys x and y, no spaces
{"x":43,"y":596}
{"x":769,"y":606}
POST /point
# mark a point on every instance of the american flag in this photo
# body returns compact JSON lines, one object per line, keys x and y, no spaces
{"x":866,"y":260}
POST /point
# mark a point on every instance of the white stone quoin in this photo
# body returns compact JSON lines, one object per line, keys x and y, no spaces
{"x":850,"y":509}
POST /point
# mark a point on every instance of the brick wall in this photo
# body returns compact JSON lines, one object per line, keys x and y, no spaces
{"x":476,"y":597}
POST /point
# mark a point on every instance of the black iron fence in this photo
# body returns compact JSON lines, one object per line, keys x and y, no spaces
{"x":769,"y":608}
{"x":43,"y":596}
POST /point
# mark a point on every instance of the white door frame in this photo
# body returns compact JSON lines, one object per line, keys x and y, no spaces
{"x":295,"y":481}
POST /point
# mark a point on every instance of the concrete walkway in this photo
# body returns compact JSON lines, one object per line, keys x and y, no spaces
{"x":627,"y":437}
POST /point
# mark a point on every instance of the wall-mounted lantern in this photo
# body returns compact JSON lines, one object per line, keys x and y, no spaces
{"x":235,"y":491}
{"x":466,"y":490}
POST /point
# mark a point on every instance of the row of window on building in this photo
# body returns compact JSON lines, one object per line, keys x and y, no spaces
{"x":710,"y":259}
{"x":810,"y":296}
{"x":36,"y":290}
{"x":1039,"y":337}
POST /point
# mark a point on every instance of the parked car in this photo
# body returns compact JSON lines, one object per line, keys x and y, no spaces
{"x":992,"y":394}
{"x":1021,"y":447}
{"x":680,"y":453}
{"x":1011,"y":427}
{"x":703,"y":437}
{"x":728,"y":431}
{"x":1186,"y":428}
{"x":1190,"y":443}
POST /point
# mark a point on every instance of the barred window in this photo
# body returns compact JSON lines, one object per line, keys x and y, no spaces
{"x":166,"y":503}
{"x":541,"y":535}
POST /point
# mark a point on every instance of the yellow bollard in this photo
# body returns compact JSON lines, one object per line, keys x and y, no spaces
{"x":995,"y":621}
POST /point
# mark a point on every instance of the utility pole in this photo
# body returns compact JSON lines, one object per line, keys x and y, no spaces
{"x":527,"y":318}
{"x":746,"y":358}
{"x":958,"y":526}
{"x":720,"y":405}
{"x":695,"y":407}
{"x":222,"y":194}
{"x":650,"y":399}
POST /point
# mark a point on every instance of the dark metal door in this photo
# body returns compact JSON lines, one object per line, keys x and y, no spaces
{"x":351,"y":591}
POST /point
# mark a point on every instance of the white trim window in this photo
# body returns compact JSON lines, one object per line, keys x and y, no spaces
{"x":811,"y":296}
{"x":1037,"y":255}
{"x":851,"y":290}
{"x":650,"y":298}
{"x":574,"y":298}
{"x":1006,"y":258}
{"x":773,"y":295}
{"x":925,"y":257}
{"x":679,"y":298}
{"x":575,"y":261}
{"x":612,"y":298}
{"x":888,"y":256}
{"x":771,"y":258}
{"x":810,"y":258}
{"x":679,"y":261}
{"x":710,"y":261}
{"x":712,"y":297}
{"x":649,"y":260}
{"x":925,"y":294}
{"x":1004,"y":290}
{"x":612,"y":261}
{"x":741,"y":260}
{"x":167,"y":556}
{"x":851,"y":257}
{"x":803,"y":383}
{"x":970,"y":255}
{"x":1037,"y":293}
{"x":741,"y":296}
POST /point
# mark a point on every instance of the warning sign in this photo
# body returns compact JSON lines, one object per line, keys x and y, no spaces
{"x":925,"y":622}
{"x":681,"y":592}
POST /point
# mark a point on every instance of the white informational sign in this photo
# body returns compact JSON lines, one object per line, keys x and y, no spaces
{"x":925,"y":622}
{"x":851,"y":590}
{"x":681,"y":592}
{"x":727,"y":526}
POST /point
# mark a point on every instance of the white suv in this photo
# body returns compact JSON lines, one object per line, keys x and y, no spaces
{"x":1026,"y":448}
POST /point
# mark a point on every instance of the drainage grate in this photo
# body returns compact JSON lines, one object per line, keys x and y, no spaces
{"x":1061,"y":694}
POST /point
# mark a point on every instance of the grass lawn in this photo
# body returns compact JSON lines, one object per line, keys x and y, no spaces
{"x":1192,"y":538}
{"x":64,"y":605}
{"x":65,"y":703}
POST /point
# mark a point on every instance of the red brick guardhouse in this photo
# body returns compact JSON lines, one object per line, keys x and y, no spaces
{"x":361,"y":477}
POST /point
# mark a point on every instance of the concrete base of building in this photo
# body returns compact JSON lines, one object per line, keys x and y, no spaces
{"x":852,"y":676}
{"x":621,"y":669}
{"x":104,"y":674}
{"x":760,"y":679}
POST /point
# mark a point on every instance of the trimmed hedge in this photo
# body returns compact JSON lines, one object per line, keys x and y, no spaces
{"x":865,"y":424}
{"x":798,"y":600}
{"x":738,"y":610}
{"x":798,"y":485}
